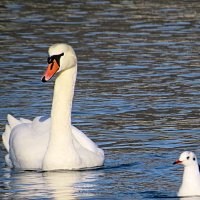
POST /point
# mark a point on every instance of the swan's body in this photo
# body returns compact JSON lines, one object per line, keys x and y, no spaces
{"x":53,"y":143}
{"x":191,"y":177}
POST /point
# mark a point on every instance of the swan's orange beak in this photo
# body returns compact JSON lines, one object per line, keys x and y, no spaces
{"x":51,"y":70}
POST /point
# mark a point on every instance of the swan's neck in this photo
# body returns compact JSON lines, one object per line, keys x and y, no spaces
{"x":62,"y":102}
{"x":60,"y":148}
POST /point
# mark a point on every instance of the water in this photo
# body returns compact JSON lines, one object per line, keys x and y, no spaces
{"x":137,"y":91}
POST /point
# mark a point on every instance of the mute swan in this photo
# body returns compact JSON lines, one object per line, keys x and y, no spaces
{"x":53,"y":143}
{"x":191,"y":177}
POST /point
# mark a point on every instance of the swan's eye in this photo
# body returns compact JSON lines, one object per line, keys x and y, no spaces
{"x":188,"y":157}
{"x":194,"y":158}
{"x":49,"y":60}
{"x":56,"y":57}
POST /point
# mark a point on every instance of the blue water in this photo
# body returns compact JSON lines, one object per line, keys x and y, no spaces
{"x":137,"y":92}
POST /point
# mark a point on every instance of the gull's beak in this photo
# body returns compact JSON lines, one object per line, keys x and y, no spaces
{"x":177,"y":162}
{"x":51,"y":70}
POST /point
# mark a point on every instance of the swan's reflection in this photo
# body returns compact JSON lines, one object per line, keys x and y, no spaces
{"x":66,"y":185}
{"x":55,"y":185}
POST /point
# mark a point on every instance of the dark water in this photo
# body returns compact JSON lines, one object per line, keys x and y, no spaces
{"x":137,"y":92}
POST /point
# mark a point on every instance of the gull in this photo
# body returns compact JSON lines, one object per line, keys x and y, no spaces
{"x":191,"y":176}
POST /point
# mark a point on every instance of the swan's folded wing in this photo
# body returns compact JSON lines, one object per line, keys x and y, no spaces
{"x":23,"y":120}
{"x":41,"y":124}
{"x":12,"y":122}
{"x":84,"y":140}
{"x":6,"y":136}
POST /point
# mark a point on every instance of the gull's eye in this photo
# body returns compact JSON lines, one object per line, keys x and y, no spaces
{"x":194,"y":158}
{"x":188,"y":157}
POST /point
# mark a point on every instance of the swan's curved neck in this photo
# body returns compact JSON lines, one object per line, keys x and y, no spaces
{"x":62,"y":102}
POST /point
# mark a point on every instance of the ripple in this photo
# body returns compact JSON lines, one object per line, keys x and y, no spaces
{"x":137,"y":92}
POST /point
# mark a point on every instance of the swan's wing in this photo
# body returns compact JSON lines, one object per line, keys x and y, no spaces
{"x":84,"y":140}
{"x":41,"y":124}
{"x":12,"y":122}
{"x":23,"y":120}
{"x":8,"y":161}
{"x":6,"y":136}
{"x":26,"y":141}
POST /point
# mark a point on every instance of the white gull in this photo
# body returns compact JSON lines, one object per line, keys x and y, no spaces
{"x":191,"y":177}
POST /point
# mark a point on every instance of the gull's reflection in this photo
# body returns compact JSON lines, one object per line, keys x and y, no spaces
{"x":56,"y":185}
{"x":190,"y":198}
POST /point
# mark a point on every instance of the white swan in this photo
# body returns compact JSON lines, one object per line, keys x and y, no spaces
{"x":53,"y":143}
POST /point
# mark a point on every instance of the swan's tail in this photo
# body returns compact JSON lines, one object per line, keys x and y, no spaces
{"x":12,"y":122}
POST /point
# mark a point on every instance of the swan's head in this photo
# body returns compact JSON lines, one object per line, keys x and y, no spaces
{"x":61,"y":57}
{"x":187,"y":158}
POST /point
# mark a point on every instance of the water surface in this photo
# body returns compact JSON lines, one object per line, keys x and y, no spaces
{"x":137,"y":92}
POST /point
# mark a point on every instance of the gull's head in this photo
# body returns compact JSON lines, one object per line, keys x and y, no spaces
{"x":187,"y":158}
{"x":61,"y":57}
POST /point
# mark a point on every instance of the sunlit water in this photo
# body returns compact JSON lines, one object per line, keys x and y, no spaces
{"x":137,"y":93}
